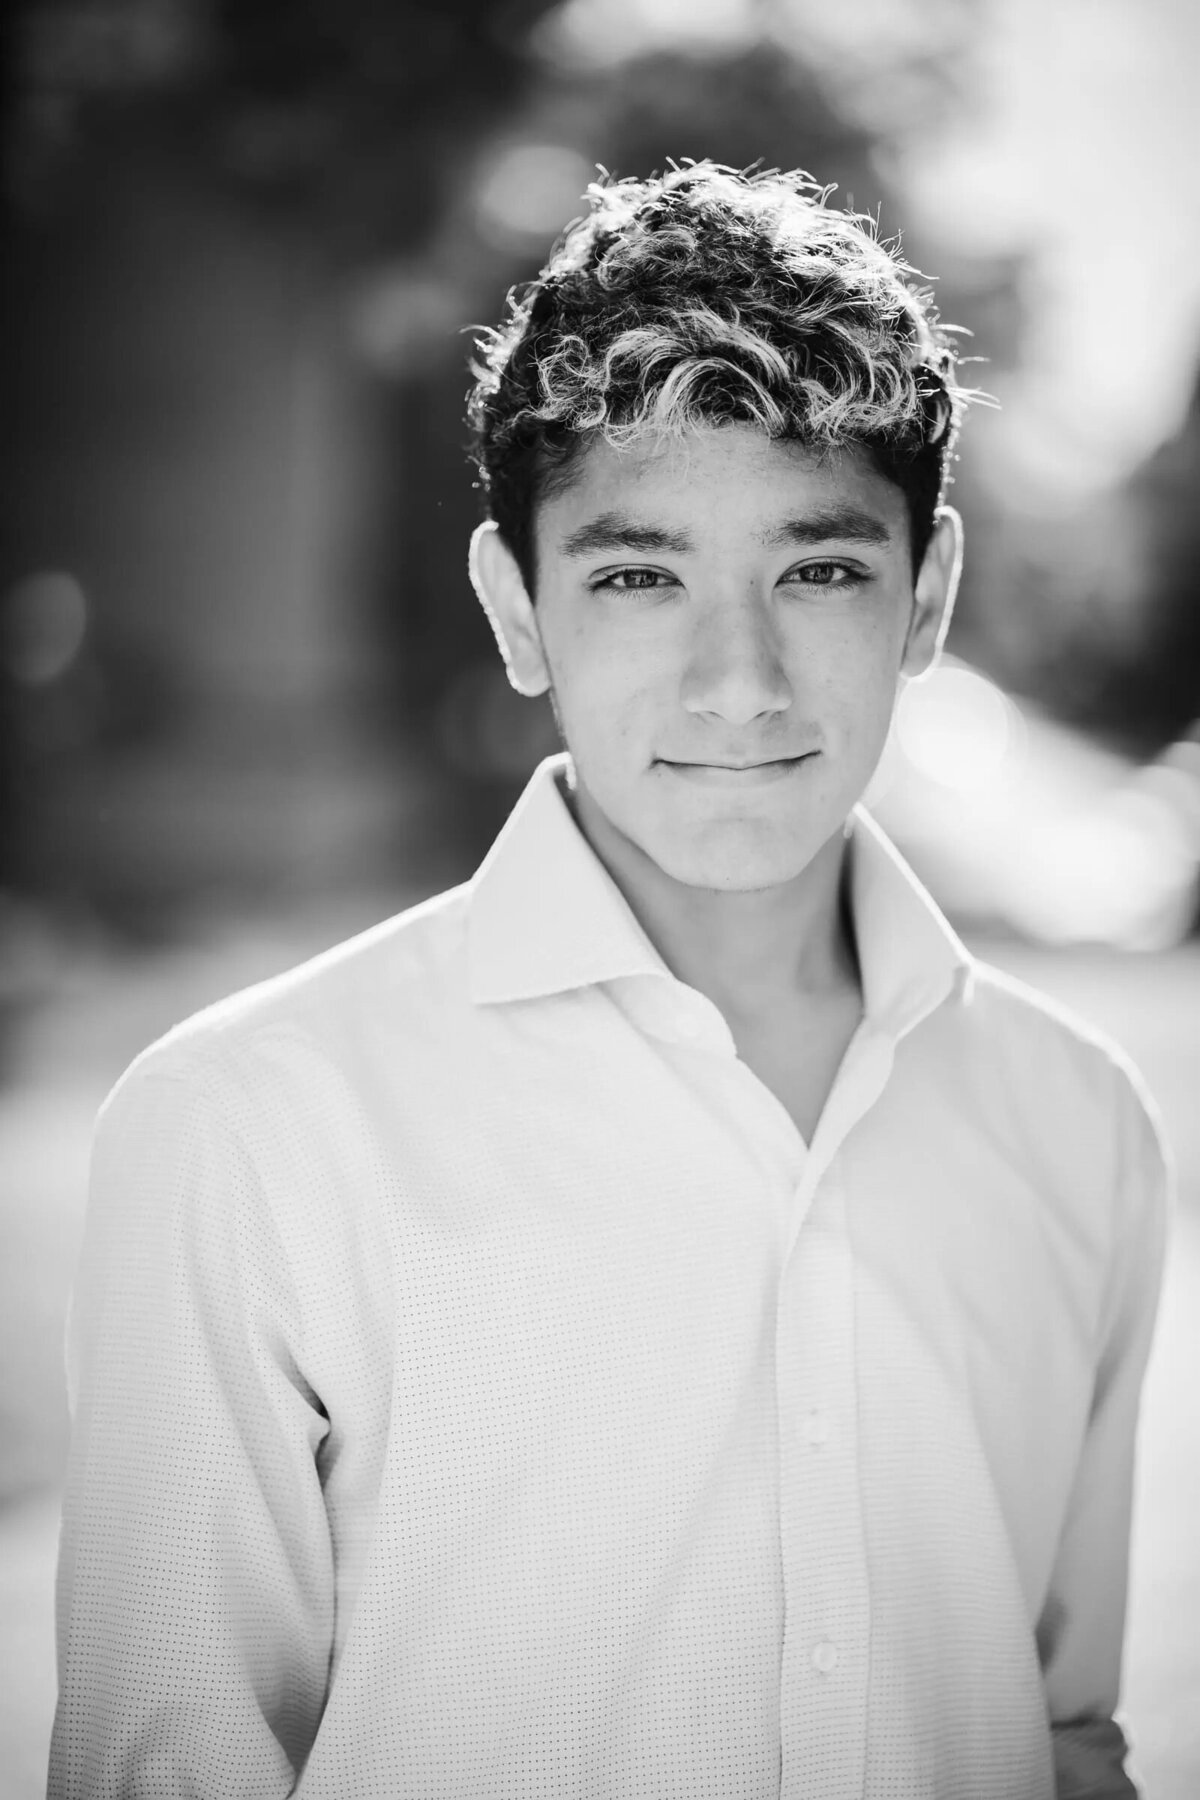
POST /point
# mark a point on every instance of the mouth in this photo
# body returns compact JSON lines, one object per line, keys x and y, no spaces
{"x":774,"y":768}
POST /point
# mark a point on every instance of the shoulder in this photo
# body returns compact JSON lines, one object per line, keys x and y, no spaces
{"x":258,"y":1120}
{"x":1028,"y":1025}
{"x":1065,"y":1080}
{"x":406,"y":968}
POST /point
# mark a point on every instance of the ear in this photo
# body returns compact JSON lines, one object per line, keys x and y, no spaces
{"x":933,"y":595}
{"x":502,"y":594}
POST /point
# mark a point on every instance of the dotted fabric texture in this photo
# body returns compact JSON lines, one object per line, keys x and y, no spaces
{"x":481,"y":1390}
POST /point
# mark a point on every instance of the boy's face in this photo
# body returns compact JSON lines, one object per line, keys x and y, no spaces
{"x":722,"y":624}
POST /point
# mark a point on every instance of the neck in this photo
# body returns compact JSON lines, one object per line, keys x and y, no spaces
{"x":750,"y":953}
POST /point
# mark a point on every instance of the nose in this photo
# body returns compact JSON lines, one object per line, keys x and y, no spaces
{"x":734,"y":669}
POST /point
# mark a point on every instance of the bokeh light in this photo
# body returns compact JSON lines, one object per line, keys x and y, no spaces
{"x":528,"y":192}
{"x":43,"y":620}
{"x":957,"y":728}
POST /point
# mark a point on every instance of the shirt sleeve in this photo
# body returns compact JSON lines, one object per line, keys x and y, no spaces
{"x":195,"y":1586}
{"x":1082,"y":1627}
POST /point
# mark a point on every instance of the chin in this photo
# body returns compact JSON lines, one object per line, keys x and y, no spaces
{"x":738,"y":867}
{"x":743,"y":880}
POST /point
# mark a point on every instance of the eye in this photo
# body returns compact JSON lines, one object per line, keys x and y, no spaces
{"x":825,"y":574}
{"x":633,"y":581}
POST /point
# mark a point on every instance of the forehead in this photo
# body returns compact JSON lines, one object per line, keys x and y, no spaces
{"x":717,"y":481}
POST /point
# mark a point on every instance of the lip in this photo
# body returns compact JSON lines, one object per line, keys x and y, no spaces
{"x":718,"y":774}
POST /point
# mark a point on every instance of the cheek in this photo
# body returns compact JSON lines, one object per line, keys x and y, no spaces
{"x":852,"y":684}
{"x":604,"y":678}
{"x":850,"y":652}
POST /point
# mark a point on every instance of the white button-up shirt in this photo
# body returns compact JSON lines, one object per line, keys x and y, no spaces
{"x":481,"y":1389}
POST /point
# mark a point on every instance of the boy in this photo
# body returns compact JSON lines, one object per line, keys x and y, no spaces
{"x":661,"y":1319}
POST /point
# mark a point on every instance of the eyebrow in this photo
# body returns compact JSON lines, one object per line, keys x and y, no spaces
{"x":616,"y":531}
{"x":840,"y":524}
{"x":613,"y":531}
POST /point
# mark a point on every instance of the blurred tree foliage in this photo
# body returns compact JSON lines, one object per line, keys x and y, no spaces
{"x":339,"y":129}
{"x":1166,"y":491}
{"x":1130,"y":667}
{"x":350,"y":113}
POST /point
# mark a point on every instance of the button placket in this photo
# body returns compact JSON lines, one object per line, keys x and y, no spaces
{"x":823,"y":1685}
{"x":815,"y":1427}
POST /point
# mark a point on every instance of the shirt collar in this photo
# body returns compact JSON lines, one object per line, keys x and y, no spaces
{"x":545,"y":916}
{"x":910,"y":958}
{"x":544,"y":913}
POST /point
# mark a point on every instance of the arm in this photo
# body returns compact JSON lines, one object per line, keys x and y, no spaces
{"x":195,"y":1591}
{"x":1082,"y":1626}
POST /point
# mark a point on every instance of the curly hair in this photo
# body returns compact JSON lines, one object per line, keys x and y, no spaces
{"x":704,"y":296}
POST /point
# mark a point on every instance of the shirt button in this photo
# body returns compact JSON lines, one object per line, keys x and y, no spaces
{"x":815,"y":1427}
{"x":825,"y":1657}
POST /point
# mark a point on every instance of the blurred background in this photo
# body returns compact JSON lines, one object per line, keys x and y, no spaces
{"x":247,"y":701}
